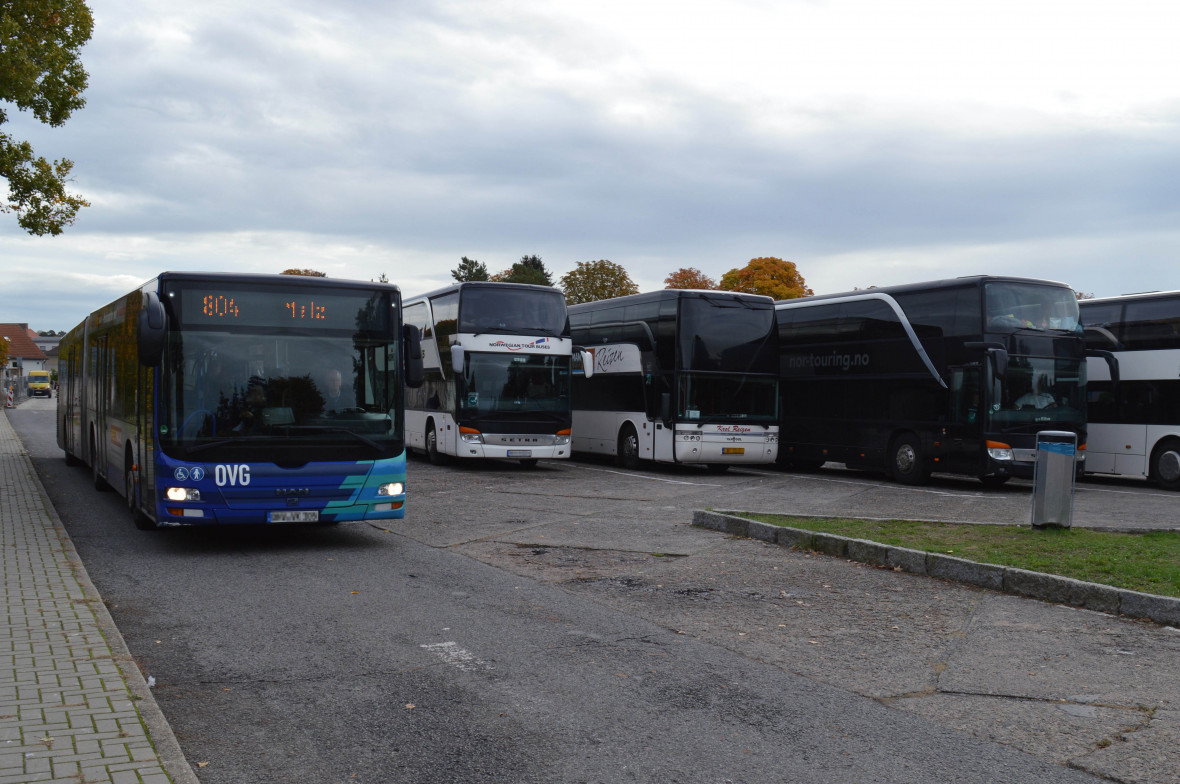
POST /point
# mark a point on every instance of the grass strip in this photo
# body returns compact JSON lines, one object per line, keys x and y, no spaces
{"x":1147,"y":562}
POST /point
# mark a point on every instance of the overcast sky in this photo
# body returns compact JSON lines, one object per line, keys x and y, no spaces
{"x":870,"y":143}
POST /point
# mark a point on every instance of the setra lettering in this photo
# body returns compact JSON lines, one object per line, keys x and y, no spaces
{"x":232,"y":475}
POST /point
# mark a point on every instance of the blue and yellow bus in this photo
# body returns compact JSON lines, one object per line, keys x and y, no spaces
{"x":209,"y":398}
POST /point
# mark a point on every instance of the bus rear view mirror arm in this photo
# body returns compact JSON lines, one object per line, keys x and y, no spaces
{"x":997,"y":354}
{"x":412,"y":351}
{"x":1111,"y":362}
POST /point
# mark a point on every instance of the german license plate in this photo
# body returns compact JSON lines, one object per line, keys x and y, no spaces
{"x":520,"y":453}
{"x":302,"y":516}
{"x":733,"y":450}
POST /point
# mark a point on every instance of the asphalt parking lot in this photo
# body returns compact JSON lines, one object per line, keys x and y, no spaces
{"x":1078,"y":688}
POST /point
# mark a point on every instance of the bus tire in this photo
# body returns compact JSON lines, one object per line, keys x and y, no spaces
{"x":627,"y":448}
{"x":717,"y":468}
{"x":530,"y":462}
{"x":436,"y":457}
{"x":1165,"y":464}
{"x":907,"y":464}
{"x":142,"y":521}
{"x":96,"y":479}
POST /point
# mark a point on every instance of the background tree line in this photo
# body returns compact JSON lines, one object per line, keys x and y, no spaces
{"x":590,"y":281}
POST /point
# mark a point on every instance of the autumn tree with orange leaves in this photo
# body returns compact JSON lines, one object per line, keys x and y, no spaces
{"x":689,"y":278}
{"x":767,"y":275}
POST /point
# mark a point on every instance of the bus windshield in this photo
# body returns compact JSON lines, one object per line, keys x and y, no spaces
{"x":226,"y":392}
{"x":513,"y":311}
{"x":1012,"y":305}
{"x":708,"y":397}
{"x":1037,"y":390}
{"x":498,"y":383}
{"x":727,"y":334}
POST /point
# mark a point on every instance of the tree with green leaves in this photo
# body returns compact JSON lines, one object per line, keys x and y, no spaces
{"x":306,"y":272}
{"x":689,"y":278}
{"x":40,"y":72}
{"x":470,"y":269}
{"x":767,"y":275}
{"x":590,"y":281}
{"x":530,"y":269}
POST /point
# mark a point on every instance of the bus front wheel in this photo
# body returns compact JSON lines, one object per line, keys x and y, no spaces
{"x":142,"y":521}
{"x":1165,"y":464}
{"x":907,"y":464}
{"x":627,"y":451}
{"x":436,"y":457}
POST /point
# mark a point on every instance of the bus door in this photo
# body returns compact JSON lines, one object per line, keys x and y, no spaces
{"x":102,"y":394}
{"x":963,"y":449}
{"x":68,"y":397}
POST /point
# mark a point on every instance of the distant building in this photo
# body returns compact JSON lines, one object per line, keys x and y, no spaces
{"x":23,"y":353}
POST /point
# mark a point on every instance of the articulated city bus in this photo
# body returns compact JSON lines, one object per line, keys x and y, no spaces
{"x":1134,"y":420}
{"x":955,"y":376}
{"x":679,"y":376}
{"x":497,"y":373}
{"x":209,"y":398}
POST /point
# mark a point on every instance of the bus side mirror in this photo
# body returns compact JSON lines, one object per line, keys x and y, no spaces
{"x":999,"y":358}
{"x":457,"y":358}
{"x":587,"y":361}
{"x":412,"y":351}
{"x":151,"y":326}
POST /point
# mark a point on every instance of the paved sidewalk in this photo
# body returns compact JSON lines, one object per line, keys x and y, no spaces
{"x":73,"y":705}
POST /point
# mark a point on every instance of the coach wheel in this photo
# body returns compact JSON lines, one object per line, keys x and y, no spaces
{"x":142,"y":521}
{"x":717,"y":468}
{"x":907,"y":463}
{"x":1165,"y":465}
{"x":530,"y":462}
{"x":100,"y":484}
{"x":627,"y":452}
{"x":436,"y":458}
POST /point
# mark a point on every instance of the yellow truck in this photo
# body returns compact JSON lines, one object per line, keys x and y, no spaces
{"x":39,"y":384}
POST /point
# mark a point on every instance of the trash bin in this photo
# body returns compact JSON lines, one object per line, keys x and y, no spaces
{"x":1053,"y":478}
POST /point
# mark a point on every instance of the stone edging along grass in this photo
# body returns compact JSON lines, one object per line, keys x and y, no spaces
{"x":1006,"y":579}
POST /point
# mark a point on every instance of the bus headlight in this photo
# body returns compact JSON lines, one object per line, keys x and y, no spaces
{"x":997,"y":450}
{"x":470,"y":435}
{"x":182,"y":494}
{"x":562,"y":438}
{"x":391,"y":488}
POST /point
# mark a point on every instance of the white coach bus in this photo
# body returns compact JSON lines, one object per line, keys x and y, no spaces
{"x":497,"y":373}
{"x":1134,"y":422}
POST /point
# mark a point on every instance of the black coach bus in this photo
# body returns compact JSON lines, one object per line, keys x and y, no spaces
{"x":956,"y":376}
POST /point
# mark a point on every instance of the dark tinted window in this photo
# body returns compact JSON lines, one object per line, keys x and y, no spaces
{"x":511,"y":310}
{"x":1101,"y":321}
{"x":942,"y":312}
{"x":1151,"y":324}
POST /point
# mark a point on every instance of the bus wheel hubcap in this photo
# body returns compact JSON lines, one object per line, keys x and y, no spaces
{"x":905,"y":458}
{"x":1169,"y":466}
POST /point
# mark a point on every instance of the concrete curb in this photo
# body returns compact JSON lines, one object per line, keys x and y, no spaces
{"x":1020,"y":582}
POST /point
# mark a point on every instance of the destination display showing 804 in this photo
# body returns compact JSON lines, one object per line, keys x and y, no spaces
{"x":242,"y":306}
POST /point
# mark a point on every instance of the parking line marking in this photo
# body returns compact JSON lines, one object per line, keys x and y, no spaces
{"x":652,"y":478}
